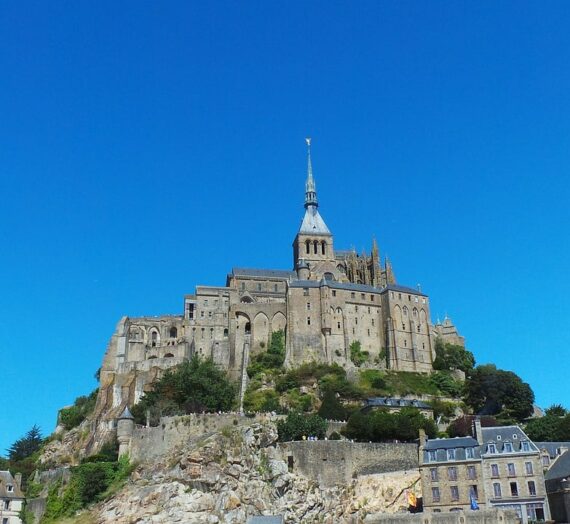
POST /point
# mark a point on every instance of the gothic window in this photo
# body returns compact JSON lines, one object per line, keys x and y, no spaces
{"x":415,"y":312}
{"x":173,"y":332}
{"x":324,"y":248}
{"x":247,"y":328}
{"x":315,"y":247}
{"x":154,"y":338}
{"x":405,"y":311}
{"x":308,"y":246}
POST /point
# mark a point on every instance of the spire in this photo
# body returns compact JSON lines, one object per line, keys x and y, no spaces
{"x":310,"y":187}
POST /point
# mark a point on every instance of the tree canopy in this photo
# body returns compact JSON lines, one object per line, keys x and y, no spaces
{"x":452,"y":356}
{"x":299,"y":425}
{"x":194,"y":386}
{"x":26,"y":446}
{"x":492,"y":391}
{"x":550,"y":428}
{"x":381,"y":425}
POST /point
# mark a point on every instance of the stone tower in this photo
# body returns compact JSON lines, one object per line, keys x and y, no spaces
{"x":313,"y":245}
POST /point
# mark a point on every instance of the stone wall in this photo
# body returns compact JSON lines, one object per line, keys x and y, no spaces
{"x":338,"y":462}
{"x":149,"y":443}
{"x":489,"y":516}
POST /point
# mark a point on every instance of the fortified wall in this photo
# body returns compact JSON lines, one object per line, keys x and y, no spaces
{"x":331,"y":462}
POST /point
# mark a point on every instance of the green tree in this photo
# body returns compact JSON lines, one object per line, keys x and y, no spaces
{"x":299,"y":425}
{"x":331,"y":408}
{"x":83,"y":406}
{"x":357,"y":356}
{"x":271,"y":359}
{"x":493,"y":391}
{"x":193,"y":386}
{"x":380,"y":425}
{"x":550,"y":428}
{"x":556,"y":410}
{"x":452,"y":356}
{"x":26,"y":446}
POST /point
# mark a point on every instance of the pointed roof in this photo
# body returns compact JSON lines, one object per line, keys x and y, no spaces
{"x":126,"y":414}
{"x":313,"y":223}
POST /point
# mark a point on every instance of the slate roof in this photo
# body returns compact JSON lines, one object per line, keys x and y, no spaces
{"x":450,"y":443}
{"x":6,"y":480}
{"x":403,"y":289}
{"x":395,"y":403}
{"x":553,"y":448}
{"x":560,"y":468}
{"x":501,"y":434}
{"x":313,"y":223}
{"x":267,"y":273}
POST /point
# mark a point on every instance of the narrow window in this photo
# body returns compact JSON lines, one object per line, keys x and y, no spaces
{"x":356,"y":321}
{"x":494,"y":470}
{"x":338,"y":325}
{"x":528,"y":468}
{"x":405,"y":343}
{"x":362,"y":296}
{"x":471,"y":473}
{"x":258,"y":287}
{"x":306,"y":291}
{"x":371,"y":298}
{"x":435,"y":494}
{"x":514,"y":489}
{"x":226,"y":333}
{"x":454,"y":492}
{"x":473,"y":492}
{"x":315,"y":247}
{"x":373,"y":322}
{"x":497,"y":490}
{"x":452,"y":473}
{"x":206,"y":302}
{"x":531,"y":488}
{"x":173,"y":332}
{"x":209,"y":314}
{"x":308,"y":306}
{"x":334,"y":293}
{"x":433,"y":474}
{"x":352,"y":295}
{"x":324,"y":248}
{"x":275,"y":288}
{"x":356,"y":309}
{"x":511,"y":469}
{"x":368,"y":332}
{"x":308,"y":247}
{"x":308,"y":321}
{"x":243,"y":286}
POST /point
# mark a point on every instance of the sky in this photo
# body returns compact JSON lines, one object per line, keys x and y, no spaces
{"x":148,"y":147}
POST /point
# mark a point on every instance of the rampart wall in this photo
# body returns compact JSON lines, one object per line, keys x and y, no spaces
{"x":339,"y":461}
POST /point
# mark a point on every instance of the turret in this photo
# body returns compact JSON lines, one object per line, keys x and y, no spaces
{"x":303,"y":271}
{"x":125,"y":429}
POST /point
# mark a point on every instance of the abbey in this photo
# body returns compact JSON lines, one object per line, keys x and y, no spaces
{"x":329,"y":300}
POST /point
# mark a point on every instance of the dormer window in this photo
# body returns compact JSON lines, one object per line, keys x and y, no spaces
{"x":469,"y":453}
{"x":491,"y":448}
{"x":9,"y":488}
{"x":432,"y":456}
{"x":508,"y":447}
{"x":525,"y":446}
{"x":451,"y":454}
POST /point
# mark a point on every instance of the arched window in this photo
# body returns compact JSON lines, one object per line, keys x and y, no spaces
{"x":154,"y":338}
{"x":329,"y":276}
{"x":247,"y":328}
{"x":169,"y":355}
{"x":173,"y":332}
{"x":316,"y":247}
{"x":324,"y":247}
{"x":405,"y":311}
{"x":308,"y":246}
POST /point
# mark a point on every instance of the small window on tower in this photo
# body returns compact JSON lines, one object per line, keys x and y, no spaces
{"x":338,"y":325}
{"x":334,"y":293}
{"x":308,"y":321}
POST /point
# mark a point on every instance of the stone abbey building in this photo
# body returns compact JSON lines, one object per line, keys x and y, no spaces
{"x":330,"y":299}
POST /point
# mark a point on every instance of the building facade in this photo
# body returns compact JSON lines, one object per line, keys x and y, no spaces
{"x":11,"y":498}
{"x":327,"y":301}
{"x":499,"y":468}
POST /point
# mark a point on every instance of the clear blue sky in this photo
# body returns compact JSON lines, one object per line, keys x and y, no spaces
{"x":146,"y":147}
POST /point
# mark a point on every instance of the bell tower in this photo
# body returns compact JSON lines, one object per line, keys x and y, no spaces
{"x":313,"y":245}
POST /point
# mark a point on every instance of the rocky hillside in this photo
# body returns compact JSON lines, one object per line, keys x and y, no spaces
{"x":237,"y":473}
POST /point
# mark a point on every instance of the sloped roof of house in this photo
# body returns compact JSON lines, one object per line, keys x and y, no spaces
{"x":6,"y":479}
{"x":262,"y":273}
{"x":450,"y":443}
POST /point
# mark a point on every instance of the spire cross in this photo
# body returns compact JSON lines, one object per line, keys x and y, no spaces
{"x":310,"y":187}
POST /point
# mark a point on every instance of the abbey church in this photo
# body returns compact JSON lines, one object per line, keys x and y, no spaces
{"x":328,"y":300}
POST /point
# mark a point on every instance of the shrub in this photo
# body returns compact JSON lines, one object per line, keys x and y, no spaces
{"x":271,"y":359}
{"x":261,"y":400}
{"x":194,"y":386}
{"x":298,"y":425}
{"x":357,"y":356}
{"x":446,"y":383}
{"x":331,"y":408}
{"x":82,"y":407}
{"x":381,"y":425}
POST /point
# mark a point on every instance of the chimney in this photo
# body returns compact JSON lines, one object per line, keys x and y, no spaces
{"x":18,"y":480}
{"x":423,"y":439}
{"x":478,"y":434}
